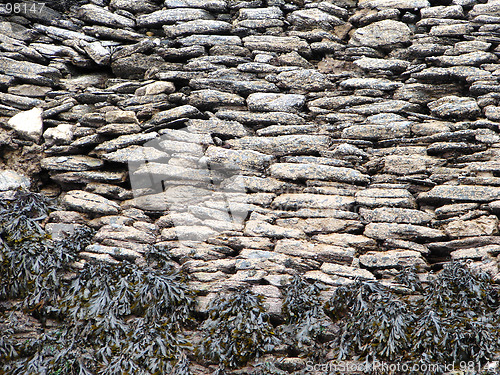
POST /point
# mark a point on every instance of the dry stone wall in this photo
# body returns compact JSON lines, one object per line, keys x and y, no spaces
{"x":350,"y":138}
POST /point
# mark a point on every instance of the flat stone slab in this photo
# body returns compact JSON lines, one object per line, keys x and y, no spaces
{"x":297,"y":201}
{"x":270,"y":102}
{"x":303,"y":171}
{"x":393,"y":259}
{"x":382,"y":231}
{"x":10,"y":180}
{"x":347,"y":271}
{"x":82,"y":201}
{"x":71,"y":163}
{"x":283,"y":145}
{"x":135,"y":154}
{"x":460,"y":193}
{"x":381,"y":34}
{"x":321,"y":252}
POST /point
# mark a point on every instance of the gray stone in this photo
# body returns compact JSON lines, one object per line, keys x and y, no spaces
{"x":455,"y":107}
{"x":210,"y":40}
{"x":276,"y":43}
{"x":264,"y":229}
{"x":135,"y":154}
{"x":121,"y":35}
{"x":170,"y":16}
{"x":100,"y":16}
{"x":209,"y":99}
{"x":241,"y":87}
{"x":167,"y":172}
{"x":336,"y":102}
{"x":155,"y":88}
{"x":299,"y":171}
{"x":125,"y":141}
{"x":424,"y":93}
{"x":382,"y":231}
{"x":468,"y":59}
{"x":376,"y":197}
{"x":133,"y":6}
{"x":32,"y":91}
{"x":453,"y":11}
{"x":453,"y":30}
{"x":97,"y":52}
{"x":210,"y":5}
{"x":313,"y":18}
{"x":393,"y":259}
{"x":283,"y":145}
{"x":218,"y":127}
{"x":61,"y":134}
{"x":480,"y":253}
{"x":10,"y":180}
{"x":482,"y":226}
{"x":346,"y":239}
{"x":492,"y":113}
{"x":28,"y":124}
{"x":491,"y":8}
{"x":268,"y":102}
{"x":320,"y":225}
{"x":135,"y":65}
{"x":391,"y":4}
{"x":119,"y":129}
{"x":370,"y":83}
{"x":386,"y":106}
{"x":321,"y":252}
{"x":347,"y":271}
{"x":81,"y":201}
{"x":304,"y":80}
{"x":124,"y":233}
{"x":70,"y":163}
{"x":121,"y":117}
{"x":370,"y":64}
{"x":23,"y":69}
{"x":256,"y":118}
{"x":297,"y":201}
{"x":381,"y":34}
{"x":377,"y":132}
{"x":110,"y":192}
{"x":116,"y":252}
{"x":18,"y":101}
{"x":396,"y":215}
{"x":237,"y":159}
{"x":410,"y":164}
{"x":175,"y":113}
{"x":89,"y":176}
{"x":252,"y":183}
{"x":197,"y":27}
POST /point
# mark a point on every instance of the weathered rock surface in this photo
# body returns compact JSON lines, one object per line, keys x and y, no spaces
{"x":252,"y":140}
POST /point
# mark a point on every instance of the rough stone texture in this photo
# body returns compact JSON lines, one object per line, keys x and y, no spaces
{"x":89,"y":203}
{"x":28,"y":124}
{"x":455,"y":107}
{"x":381,"y":34}
{"x":334,"y":139}
{"x":10,"y":180}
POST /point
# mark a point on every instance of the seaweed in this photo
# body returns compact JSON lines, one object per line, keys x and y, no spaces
{"x":453,"y":320}
{"x":305,"y":320}
{"x":237,"y":329}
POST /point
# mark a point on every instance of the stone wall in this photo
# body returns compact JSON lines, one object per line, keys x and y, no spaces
{"x":349,"y":138}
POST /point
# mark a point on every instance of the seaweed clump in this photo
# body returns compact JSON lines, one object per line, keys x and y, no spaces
{"x":454,"y":319}
{"x":237,"y":330}
{"x":306,"y":324}
{"x":113,"y":319}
